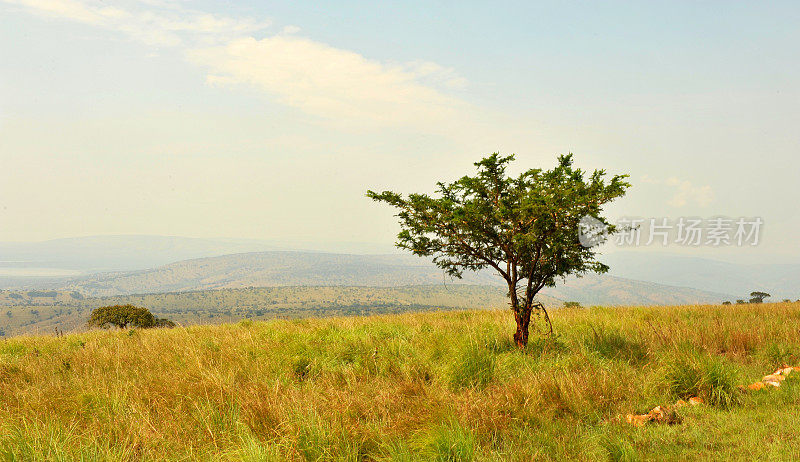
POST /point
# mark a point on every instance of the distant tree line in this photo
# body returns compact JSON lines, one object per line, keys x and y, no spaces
{"x":756,"y":296}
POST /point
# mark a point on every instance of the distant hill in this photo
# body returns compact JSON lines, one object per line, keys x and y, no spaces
{"x":48,"y":311}
{"x":265,"y":285}
{"x":267,"y":269}
{"x":63,"y":257}
{"x":60,"y":263}
{"x":260,"y":269}
{"x":780,"y":280}
{"x":603,"y":289}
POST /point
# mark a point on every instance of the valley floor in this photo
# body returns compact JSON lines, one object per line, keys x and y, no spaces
{"x":423,"y":386}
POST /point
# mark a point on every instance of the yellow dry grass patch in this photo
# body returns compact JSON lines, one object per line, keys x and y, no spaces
{"x":418,"y":386}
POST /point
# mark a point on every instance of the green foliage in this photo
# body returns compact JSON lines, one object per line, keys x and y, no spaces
{"x":303,"y":367}
{"x":163,"y":322}
{"x":43,"y":293}
{"x":758,"y":297}
{"x":525,"y":227}
{"x":122,"y":316}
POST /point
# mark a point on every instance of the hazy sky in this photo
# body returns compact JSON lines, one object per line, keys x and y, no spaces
{"x":270,"y":120}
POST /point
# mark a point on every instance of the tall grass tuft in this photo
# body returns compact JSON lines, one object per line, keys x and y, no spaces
{"x":619,"y":449}
{"x":708,"y":377}
{"x":451,"y":442}
{"x":615,"y":345}
{"x":473,"y":366}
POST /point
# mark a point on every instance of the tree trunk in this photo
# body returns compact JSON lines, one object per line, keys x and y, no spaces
{"x":523,"y":318}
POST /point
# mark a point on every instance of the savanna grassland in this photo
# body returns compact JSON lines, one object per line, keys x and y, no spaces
{"x":422,"y":386}
{"x":42,"y":312}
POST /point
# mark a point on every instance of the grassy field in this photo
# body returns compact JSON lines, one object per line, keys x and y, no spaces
{"x":42,"y":312}
{"x":423,"y":386}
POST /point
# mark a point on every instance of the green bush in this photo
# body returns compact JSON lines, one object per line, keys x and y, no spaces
{"x":123,"y":316}
{"x":164,"y":322}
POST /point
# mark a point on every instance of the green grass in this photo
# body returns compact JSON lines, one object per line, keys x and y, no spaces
{"x":446,"y":386}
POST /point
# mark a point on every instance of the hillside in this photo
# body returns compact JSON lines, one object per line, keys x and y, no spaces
{"x":266,"y":285}
{"x":426,"y":386}
{"x":272,"y":269}
{"x":780,"y":280}
{"x":268,"y":269}
{"x":52,"y":264}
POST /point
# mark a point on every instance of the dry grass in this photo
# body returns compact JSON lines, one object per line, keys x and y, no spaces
{"x":430,"y":386}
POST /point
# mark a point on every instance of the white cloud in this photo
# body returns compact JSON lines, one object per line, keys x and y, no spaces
{"x":684,"y":191}
{"x":161,"y":23}
{"x":330,"y":82}
{"x":321,"y":80}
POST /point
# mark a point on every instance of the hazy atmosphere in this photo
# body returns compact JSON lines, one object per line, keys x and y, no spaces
{"x":268,"y":121}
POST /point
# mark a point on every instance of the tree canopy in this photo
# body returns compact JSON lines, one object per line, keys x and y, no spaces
{"x":525,"y":227}
{"x":123,"y":316}
{"x":758,"y":296}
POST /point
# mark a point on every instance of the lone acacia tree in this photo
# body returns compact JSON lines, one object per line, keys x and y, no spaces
{"x":758,"y":296}
{"x":122,"y":316}
{"x":525,"y":227}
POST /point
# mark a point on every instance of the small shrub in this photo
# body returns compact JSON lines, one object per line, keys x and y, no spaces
{"x":164,"y":323}
{"x":302,"y":367}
